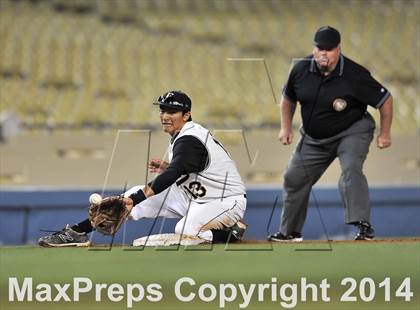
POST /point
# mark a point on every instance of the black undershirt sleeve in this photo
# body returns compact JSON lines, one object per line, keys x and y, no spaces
{"x":189,"y":156}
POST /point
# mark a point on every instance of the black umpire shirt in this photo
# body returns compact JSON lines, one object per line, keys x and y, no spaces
{"x":331,"y":104}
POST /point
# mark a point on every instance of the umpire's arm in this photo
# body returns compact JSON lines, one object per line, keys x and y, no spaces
{"x":384,"y":137}
{"x":287,"y":110}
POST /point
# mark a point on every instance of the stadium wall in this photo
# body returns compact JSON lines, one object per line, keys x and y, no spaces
{"x":24,"y":213}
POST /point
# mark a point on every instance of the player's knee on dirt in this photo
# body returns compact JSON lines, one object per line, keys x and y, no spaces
{"x":186,"y":228}
{"x":189,"y":229}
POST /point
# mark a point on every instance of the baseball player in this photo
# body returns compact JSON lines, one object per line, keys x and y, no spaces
{"x":333,"y":92}
{"x":200,"y":184}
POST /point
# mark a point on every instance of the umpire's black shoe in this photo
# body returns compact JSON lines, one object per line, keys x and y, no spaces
{"x":65,"y":237}
{"x":366,"y":231}
{"x":279,"y":237}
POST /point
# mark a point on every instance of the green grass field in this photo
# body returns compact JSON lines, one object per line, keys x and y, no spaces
{"x":245,"y":263}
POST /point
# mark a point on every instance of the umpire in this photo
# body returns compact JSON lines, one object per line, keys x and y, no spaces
{"x":333,"y":92}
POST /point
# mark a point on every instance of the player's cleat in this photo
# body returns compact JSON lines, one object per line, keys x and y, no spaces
{"x":231,"y":234}
{"x":366,"y":231}
{"x":279,"y":237}
{"x":65,"y":237}
{"x":238,"y":230}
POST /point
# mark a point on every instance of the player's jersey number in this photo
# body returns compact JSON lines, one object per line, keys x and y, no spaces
{"x":194,"y":188}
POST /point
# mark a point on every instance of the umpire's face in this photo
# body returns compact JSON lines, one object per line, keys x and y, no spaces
{"x":326,"y":59}
{"x":173,"y":120}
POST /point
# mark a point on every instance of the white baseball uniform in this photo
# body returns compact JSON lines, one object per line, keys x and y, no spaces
{"x":211,"y":199}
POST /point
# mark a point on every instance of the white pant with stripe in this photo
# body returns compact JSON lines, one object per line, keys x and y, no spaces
{"x":197,"y":219}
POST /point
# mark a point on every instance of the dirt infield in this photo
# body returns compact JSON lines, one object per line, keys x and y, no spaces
{"x":390,"y":240}
{"x":409,"y":240}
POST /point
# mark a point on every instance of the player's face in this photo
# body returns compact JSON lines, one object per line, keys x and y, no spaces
{"x":173,"y":120}
{"x":326,"y":59}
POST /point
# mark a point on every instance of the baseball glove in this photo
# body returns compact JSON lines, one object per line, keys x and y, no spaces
{"x":108,"y":216}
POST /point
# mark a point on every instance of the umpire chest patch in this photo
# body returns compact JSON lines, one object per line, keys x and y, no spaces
{"x":339,"y":104}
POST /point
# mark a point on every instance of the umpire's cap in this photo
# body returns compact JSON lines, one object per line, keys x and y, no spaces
{"x":174,"y":99}
{"x":326,"y":38}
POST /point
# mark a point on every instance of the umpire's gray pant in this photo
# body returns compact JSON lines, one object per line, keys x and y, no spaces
{"x":309,"y":161}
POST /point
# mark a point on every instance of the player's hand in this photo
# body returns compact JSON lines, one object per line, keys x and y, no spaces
{"x":128,"y":202}
{"x":157,"y":165}
{"x":383,"y":141}
{"x":286,"y":136}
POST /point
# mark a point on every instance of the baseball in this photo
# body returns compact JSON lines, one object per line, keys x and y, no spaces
{"x":95,"y":199}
